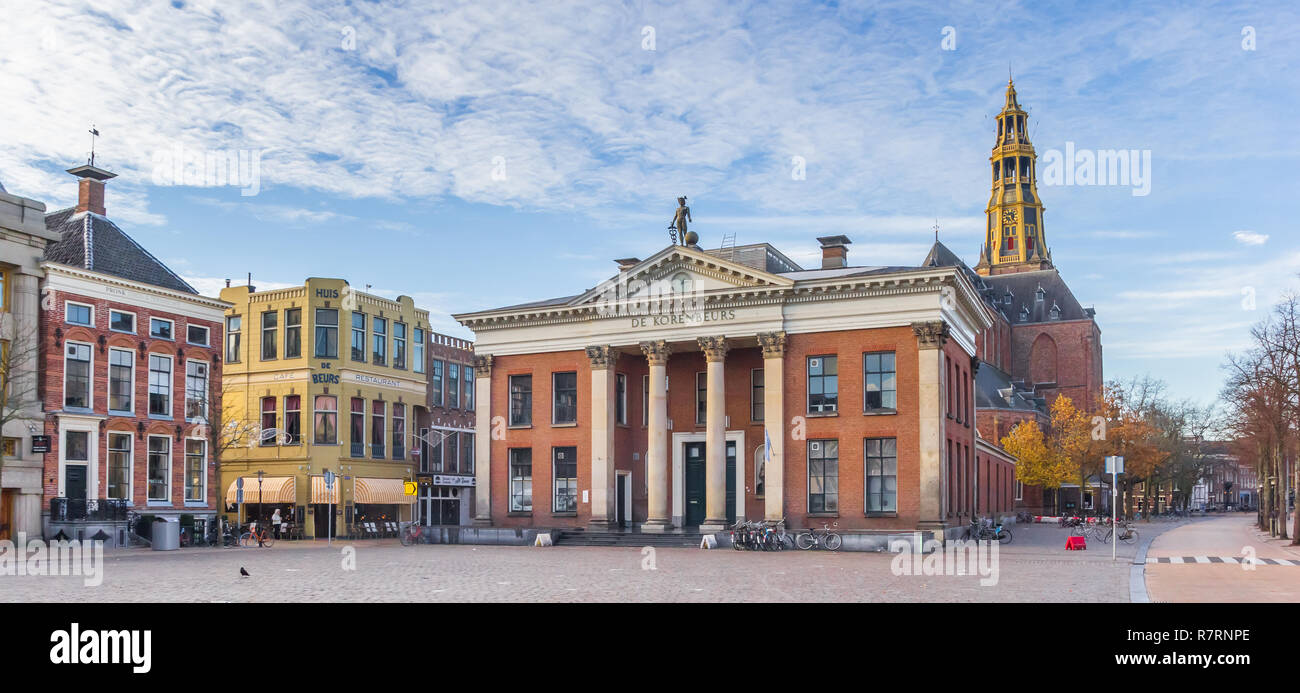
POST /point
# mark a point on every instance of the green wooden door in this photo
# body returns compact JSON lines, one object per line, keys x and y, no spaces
{"x":695,"y":484}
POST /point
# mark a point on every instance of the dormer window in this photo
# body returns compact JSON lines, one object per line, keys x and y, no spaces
{"x":1024,"y":315}
{"x":1008,"y":297}
{"x":1039,"y":295}
{"x":1056,"y":312}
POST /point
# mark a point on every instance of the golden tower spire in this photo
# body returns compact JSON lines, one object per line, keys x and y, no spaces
{"x":1015,"y":241}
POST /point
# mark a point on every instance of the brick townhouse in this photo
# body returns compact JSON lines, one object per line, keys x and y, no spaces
{"x":131,"y":376}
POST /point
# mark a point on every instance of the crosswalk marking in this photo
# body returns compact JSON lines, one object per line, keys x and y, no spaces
{"x":1222,"y":559}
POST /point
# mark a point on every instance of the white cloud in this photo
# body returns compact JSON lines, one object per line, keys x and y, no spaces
{"x":1250,"y":237}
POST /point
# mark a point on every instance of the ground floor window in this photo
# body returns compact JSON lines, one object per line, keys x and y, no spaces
{"x":160,"y":466}
{"x":823,"y":476}
{"x":119,"y":466}
{"x":521,"y":480}
{"x":565,"y":465}
{"x":881,"y":475}
{"x":196,"y":470}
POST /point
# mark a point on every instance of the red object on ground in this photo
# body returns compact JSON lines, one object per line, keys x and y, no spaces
{"x":1076,"y":544}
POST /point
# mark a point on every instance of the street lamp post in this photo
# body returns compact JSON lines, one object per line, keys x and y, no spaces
{"x":261,"y":512}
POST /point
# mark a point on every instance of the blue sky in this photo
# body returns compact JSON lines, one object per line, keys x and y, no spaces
{"x":482,"y":154}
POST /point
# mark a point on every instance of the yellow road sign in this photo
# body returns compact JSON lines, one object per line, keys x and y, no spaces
{"x":409,"y":487}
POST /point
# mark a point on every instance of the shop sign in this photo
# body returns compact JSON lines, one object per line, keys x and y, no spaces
{"x":452,"y":480}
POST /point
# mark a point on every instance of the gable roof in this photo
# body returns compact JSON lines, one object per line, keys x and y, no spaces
{"x":90,"y":241}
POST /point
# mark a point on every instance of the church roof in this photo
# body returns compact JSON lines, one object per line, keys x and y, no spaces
{"x":994,"y":389}
{"x":1024,"y":288}
{"x":92,"y":242}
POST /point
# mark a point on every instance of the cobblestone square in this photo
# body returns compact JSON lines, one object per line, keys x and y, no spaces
{"x":1034,"y":568}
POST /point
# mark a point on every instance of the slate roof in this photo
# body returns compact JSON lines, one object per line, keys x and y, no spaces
{"x":1021,"y":288}
{"x":1024,"y":287}
{"x":994,"y":389}
{"x":93,"y":242}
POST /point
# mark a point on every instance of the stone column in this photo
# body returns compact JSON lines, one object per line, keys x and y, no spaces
{"x":773,"y":344}
{"x":715,"y":427}
{"x":603,"y":359}
{"x":656,"y":354}
{"x":930,"y":339}
{"x":483,"y":440}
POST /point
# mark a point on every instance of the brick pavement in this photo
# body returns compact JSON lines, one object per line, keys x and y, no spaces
{"x":1223,"y":536}
{"x":1035,"y":568}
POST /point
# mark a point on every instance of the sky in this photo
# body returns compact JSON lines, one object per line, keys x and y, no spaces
{"x":480,"y":154}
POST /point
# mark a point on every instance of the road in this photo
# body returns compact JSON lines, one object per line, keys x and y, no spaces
{"x":1199,"y":577}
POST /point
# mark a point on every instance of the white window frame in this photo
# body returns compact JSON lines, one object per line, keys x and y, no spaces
{"x":135,"y":321}
{"x":147,"y":499}
{"x":90,"y":386}
{"x":171,"y":386}
{"x":166,"y":320}
{"x":130,"y":464}
{"x":206,"y":388}
{"x":109,"y":394}
{"x":83,"y":305}
{"x":207,"y":332}
{"x":203,"y":498}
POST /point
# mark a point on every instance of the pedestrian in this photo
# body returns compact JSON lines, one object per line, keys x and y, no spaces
{"x":275,"y":522}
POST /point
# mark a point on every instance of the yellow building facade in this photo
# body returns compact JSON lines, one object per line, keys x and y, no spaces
{"x":317,"y":378}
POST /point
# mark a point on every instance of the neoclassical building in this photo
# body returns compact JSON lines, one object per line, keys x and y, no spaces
{"x":697,"y":388}
{"x":23,"y":238}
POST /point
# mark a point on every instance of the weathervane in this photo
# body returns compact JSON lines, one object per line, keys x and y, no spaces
{"x":93,"y":134}
{"x":936,"y":230}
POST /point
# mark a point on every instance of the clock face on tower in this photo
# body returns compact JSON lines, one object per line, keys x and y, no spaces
{"x":1009,"y":216}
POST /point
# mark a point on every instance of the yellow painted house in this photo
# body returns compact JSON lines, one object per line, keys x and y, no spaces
{"x":321,"y":377}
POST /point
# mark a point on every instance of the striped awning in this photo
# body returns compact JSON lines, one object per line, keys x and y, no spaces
{"x":275,"y":489}
{"x":319,"y":494}
{"x":381,"y":491}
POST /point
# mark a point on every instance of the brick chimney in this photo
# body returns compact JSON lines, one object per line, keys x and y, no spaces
{"x":835,"y":251}
{"x":90,"y":188}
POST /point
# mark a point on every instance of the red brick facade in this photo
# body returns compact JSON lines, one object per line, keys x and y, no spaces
{"x":57,"y":333}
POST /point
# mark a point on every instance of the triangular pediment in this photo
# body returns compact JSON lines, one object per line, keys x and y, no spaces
{"x":679,"y":269}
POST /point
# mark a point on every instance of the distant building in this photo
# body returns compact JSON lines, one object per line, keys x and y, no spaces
{"x":446,"y":435}
{"x":131,"y":379}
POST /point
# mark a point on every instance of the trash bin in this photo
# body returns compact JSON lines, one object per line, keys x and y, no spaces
{"x":166,"y":535}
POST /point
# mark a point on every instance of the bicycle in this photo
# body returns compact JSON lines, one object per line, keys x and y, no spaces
{"x":413,"y":534}
{"x":981,"y":529}
{"x":1128,"y":535}
{"x":256,"y":537}
{"x":826,"y":537}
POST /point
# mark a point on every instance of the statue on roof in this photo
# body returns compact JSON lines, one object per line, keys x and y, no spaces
{"x":677,"y":227}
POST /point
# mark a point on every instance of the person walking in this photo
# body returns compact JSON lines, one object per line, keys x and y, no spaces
{"x":275,"y":522}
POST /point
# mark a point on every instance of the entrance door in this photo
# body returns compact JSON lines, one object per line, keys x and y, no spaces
{"x":620,"y":504}
{"x":74,"y":481}
{"x":450,"y":514}
{"x":6,"y":512}
{"x":696,"y":483}
{"x":323,"y":519}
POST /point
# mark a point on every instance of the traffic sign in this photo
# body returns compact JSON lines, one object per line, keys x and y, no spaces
{"x":239,"y":495}
{"x":239,"y":483}
{"x":329,"y":480}
{"x":409,"y":487}
{"x":1114,"y":465}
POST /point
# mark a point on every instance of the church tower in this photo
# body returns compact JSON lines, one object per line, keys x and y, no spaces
{"x":1014,"y":241}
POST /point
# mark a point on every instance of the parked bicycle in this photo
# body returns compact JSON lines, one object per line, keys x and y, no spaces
{"x":982,"y":529}
{"x":256,"y":536}
{"x":826,"y":537}
{"x":412,"y":534}
{"x":759,"y":536}
{"x":1024,"y":517}
{"x":1127,"y":534}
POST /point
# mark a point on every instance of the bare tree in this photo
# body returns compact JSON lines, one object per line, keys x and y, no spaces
{"x":19,"y":351}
